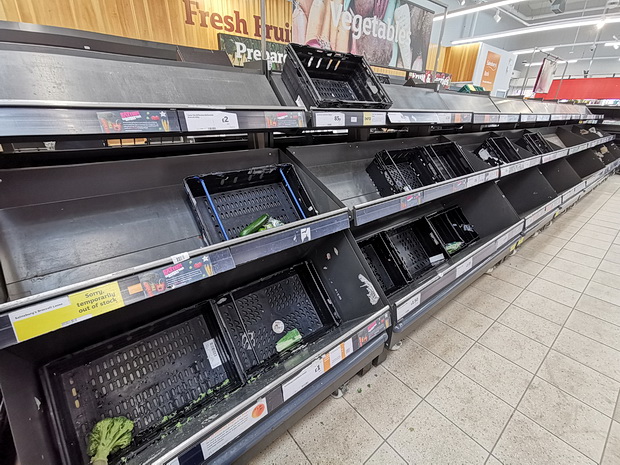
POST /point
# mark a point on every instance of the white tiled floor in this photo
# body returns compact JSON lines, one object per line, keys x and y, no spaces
{"x":523,"y":367}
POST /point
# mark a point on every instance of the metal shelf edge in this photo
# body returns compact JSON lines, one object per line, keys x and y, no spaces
{"x":417,"y":297}
{"x":370,"y":211}
{"x":73,"y":304}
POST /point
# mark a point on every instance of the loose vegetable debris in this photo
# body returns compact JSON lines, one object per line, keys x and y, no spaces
{"x":262,"y":223}
{"x":290,"y":339}
{"x":108,"y":436}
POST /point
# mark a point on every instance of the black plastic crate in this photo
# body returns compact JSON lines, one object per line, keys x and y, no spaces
{"x":227,"y":202}
{"x":496,"y":151}
{"x":535,"y":143}
{"x":449,"y":160}
{"x":396,"y":171}
{"x":255,"y":317}
{"x":392,"y":172}
{"x":450,"y":226}
{"x":409,"y":250}
{"x":155,"y":375}
{"x":328,"y":79}
{"x":384,"y":265}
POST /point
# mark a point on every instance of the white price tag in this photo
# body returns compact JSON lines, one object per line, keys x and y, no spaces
{"x":475,"y":180}
{"x":329,"y":118}
{"x":307,"y":375}
{"x":231,"y":430}
{"x":210,"y":120}
{"x":408,"y":306}
{"x":398,"y":118}
{"x":212,"y":353}
{"x":180,"y":257}
{"x":501,"y":240}
{"x":444,"y":118}
{"x":335,"y":356}
{"x":464,"y":267}
{"x":348,"y":347}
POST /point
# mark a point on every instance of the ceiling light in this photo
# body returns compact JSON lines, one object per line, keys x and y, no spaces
{"x":613,"y":44}
{"x":462,"y":2}
{"x":531,"y":50}
{"x":533,"y":29}
{"x":538,"y":63}
{"x":476,"y":9}
{"x":497,"y":17}
{"x":601,"y":23}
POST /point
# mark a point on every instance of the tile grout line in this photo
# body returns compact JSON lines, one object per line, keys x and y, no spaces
{"x":618,"y":397}
{"x":452,"y":367}
{"x":384,"y":440}
{"x":538,"y":369}
{"x":599,"y":318}
{"x":611,"y":424}
{"x":299,"y":447}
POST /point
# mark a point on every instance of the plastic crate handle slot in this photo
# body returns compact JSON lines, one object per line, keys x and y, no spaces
{"x":405,"y":183}
{"x":290,"y":191}
{"x":250,"y":344}
{"x":217,"y":217}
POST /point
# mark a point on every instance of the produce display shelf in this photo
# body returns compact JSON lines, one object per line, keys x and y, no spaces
{"x":77,"y":119}
{"x":313,"y":274}
{"x":418,"y":297}
{"x":496,"y":118}
{"x":210,"y":442}
{"x":405,"y":116}
{"x":18,"y":318}
{"x":431,"y":293}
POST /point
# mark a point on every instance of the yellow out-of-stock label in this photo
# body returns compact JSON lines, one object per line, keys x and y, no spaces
{"x":41,"y":318}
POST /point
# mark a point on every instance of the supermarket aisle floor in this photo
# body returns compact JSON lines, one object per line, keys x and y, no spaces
{"x":523,"y":367}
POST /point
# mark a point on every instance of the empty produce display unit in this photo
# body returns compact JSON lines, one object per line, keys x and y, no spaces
{"x":196,"y":266}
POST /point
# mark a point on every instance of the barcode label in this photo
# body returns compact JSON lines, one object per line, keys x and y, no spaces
{"x":212,"y":353}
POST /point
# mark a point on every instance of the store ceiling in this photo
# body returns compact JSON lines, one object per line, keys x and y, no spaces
{"x":540,"y":10}
{"x":577,"y":43}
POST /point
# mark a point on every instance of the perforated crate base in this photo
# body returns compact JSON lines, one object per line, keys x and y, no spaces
{"x":409,"y":250}
{"x":329,"y":88}
{"x":238,"y":208}
{"x":451,"y":226}
{"x":148,"y":380}
{"x":257,"y":316}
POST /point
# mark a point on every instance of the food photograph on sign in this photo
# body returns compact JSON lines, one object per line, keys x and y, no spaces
{"x":393,"y":33}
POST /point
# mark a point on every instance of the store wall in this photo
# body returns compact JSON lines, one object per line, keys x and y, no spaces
{"x":495,"y":63}
{"x":194,"y":23}
{"x":582,"y":89}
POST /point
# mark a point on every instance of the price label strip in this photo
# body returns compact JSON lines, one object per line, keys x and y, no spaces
{"x":210,"y":121}
{"x":329,"y":119}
